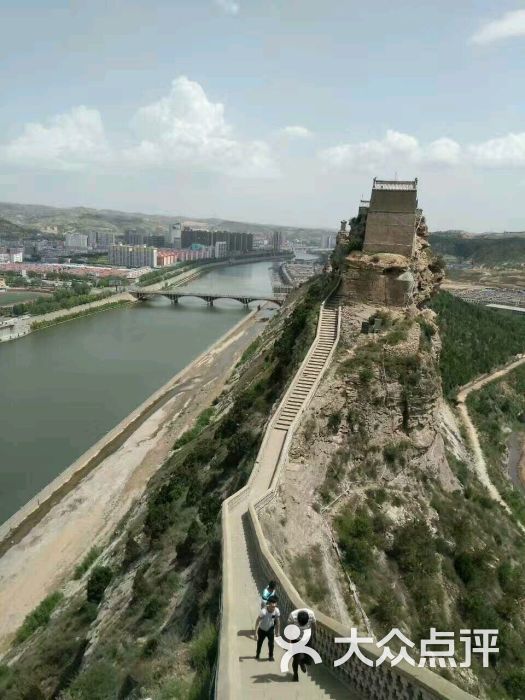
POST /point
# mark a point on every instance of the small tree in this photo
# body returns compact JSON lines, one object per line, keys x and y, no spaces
{"x":97,"y":583}
{"x":132,"y":551}
{"x":141,"y":588}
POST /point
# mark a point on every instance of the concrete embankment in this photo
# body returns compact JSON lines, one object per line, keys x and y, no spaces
{"x":24,"y":326}
{"x":21,"y":523}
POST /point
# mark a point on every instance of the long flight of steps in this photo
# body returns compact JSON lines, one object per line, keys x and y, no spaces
{"x":310,"y":372}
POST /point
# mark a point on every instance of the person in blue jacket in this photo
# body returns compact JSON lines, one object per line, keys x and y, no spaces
{"x":268,"y":591}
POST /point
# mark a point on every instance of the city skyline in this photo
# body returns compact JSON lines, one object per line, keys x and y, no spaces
{"x":242,"y":110}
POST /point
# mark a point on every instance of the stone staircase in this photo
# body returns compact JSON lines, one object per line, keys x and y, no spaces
{"x":315,"y":364}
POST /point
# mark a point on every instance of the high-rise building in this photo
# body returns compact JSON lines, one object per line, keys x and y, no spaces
{"x":236,"y":242}
{"x":328,"y":241}
{"x":277,"y":241}
{"x":101,"y":240}
{"x":105,"y":239}
{"x":133,"y":255}
{"x":134,"y":237}
{"x":76,"y":241}
{"x":173,"y":238}
{"x":221,"y":249}
{"x":158,"y":240}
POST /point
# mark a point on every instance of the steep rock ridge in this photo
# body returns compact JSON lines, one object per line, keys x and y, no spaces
{"x":380,"y":496}
{"x":373,"y":424}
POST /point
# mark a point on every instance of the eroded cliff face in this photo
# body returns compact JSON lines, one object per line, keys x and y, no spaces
{"x":374,"y":425}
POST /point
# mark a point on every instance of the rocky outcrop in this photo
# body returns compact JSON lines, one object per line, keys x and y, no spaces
{"x":391,"y":279}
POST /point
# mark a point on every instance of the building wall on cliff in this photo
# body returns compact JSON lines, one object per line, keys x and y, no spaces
{"x":375,"y":286}
{"x":390,"y":232}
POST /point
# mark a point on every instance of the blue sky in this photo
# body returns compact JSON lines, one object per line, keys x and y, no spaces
{"x":265,"y":110}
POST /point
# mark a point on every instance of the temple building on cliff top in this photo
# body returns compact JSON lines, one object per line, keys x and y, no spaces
{"x":389,"y":260}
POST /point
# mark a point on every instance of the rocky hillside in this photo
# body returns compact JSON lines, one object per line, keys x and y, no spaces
{"x":380,"y":493}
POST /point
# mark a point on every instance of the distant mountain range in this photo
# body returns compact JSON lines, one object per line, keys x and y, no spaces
{"x":44,"y":218}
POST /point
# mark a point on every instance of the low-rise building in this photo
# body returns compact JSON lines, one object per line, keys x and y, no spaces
{"x":166,"y":258}
{"x":10,"y":254}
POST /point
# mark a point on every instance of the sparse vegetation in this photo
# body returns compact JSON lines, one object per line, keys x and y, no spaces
{"x":86,"y":563}
{"x":309,"y":574}
{"x":39,"y":617}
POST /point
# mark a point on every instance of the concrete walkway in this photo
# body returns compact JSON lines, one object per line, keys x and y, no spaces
{"x":249,"y":678}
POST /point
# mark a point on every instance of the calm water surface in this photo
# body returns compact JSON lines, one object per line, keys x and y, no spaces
{"x":63,"y":388}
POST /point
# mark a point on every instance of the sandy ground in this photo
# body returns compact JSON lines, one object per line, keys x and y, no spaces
{"x":43,"y":560}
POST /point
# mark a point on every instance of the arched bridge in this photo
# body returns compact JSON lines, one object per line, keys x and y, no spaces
{"x":209,"y":298}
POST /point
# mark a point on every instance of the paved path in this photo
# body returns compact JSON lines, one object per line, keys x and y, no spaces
{"x":263,"y":679}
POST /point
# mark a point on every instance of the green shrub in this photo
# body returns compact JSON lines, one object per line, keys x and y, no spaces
{"x":132,"y":550}
{"x":98,"y":581}
{"x":414,"y":550}
{"x":100,"y":681}
{"x":154,"y":606}
{"x":141,"y":588}
{"x":203,"y":649}
{"x":356,"y":539}
{"x":515,"y":684}
{"x":334,"y":421}
{"x":86,"y":563}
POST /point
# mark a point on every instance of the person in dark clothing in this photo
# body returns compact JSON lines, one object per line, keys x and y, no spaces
{"x":267,"y":626}
{"x":305,"y":620}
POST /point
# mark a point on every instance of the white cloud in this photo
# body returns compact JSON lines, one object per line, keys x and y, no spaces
{"x":370,"y":154}
{"x":398,"y":149}
{"x":504,"y":151}
{"x":511,"y":24}
{"x":69,"y":141}
{"x":296,"y":131}
{"x":229,"y":6}
{"x":186,"y":128}
{"x":443,"y":150}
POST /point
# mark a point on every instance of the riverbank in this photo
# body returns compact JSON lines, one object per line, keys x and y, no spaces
{"x":46,"y":538}
{"x":24,"y":326}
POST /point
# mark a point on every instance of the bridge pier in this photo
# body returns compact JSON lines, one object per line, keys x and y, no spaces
{"x":175,"y":300}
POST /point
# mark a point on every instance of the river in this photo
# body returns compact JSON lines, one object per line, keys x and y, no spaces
{"x":63,"y":388}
